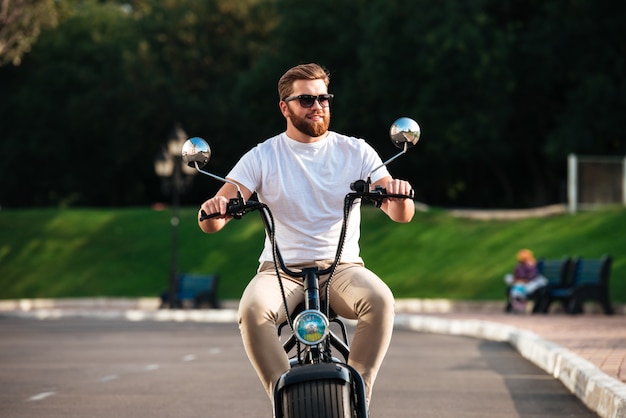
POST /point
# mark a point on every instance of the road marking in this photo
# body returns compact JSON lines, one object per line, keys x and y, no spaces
{"x":108,"y":378}
{"x":189,"y":357}
{"x":215,"y":350}
{"x":151,"y":367}
{"x":41,"y":396}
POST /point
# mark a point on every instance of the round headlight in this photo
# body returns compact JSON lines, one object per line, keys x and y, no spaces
{"x":311,"y":327}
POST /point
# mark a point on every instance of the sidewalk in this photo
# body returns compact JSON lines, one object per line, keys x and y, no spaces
{"x":587,"y":353}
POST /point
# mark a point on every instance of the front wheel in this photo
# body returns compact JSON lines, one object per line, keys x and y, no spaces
{"x":324,"y":398}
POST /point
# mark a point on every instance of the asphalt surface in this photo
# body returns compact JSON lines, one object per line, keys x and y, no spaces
{"x":586,"y":353}
{"x":90,"y":367}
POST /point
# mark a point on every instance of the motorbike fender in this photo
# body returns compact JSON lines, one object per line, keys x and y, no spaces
{"x":310,"y":372}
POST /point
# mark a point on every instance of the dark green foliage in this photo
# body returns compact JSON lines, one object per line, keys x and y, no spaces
{"x":503,"y":90}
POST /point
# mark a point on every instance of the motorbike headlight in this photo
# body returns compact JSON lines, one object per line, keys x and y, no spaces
{"x":311,"y":327}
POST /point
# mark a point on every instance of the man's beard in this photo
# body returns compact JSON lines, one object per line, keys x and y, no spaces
{"x":306,"y":126}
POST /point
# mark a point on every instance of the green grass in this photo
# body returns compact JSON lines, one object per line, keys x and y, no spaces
{"x":126,"y":252}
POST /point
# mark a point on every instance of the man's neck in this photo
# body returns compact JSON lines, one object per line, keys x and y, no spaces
{"x":298,"y":136}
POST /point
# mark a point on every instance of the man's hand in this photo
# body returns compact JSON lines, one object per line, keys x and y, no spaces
{"x":216,"y":204}
{"x":397,"y":186}
{"x":398,"y":209}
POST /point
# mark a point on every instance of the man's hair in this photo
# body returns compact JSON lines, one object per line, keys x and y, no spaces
{"x":301,"y":72}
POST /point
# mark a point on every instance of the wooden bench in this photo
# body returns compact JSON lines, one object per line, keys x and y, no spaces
{"x":558,"y":272}
{"x":588,"y":280}
{"x":195,"y":290}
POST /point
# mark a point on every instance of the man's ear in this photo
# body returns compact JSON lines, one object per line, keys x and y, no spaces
{"x":284,"y":109}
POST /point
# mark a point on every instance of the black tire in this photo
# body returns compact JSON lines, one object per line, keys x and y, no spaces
{"x":325,"y":398}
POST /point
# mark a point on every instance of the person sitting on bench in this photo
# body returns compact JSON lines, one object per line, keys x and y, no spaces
{"x":524,"y":282}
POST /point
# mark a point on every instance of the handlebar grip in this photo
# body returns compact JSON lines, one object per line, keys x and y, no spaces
{"x":204,"y":216}
{"x":410,"y":195}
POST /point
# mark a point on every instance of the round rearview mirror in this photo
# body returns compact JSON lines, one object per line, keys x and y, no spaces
{"x":196,"y":150}
{"x":404,"y":131}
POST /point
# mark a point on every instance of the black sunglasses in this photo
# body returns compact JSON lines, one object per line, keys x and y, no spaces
{"x":308,"y":100}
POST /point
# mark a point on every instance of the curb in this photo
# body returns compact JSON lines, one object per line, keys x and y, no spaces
{"x":174,"y":315}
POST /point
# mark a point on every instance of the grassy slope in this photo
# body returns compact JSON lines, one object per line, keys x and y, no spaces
{"x":126,"y":252}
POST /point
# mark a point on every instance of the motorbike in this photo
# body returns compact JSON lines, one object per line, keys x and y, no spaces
{"x":318,"y":384}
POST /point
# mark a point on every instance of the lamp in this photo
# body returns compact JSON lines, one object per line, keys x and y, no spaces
{"x":174,"y":177}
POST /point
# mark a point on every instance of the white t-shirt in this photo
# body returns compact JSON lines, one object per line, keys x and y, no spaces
{"x":304,"y":186}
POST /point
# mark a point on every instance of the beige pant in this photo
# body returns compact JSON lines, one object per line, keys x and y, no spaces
{"x":355,"y":293}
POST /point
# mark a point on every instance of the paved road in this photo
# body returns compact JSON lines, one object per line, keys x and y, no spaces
{"x":80,"y":367}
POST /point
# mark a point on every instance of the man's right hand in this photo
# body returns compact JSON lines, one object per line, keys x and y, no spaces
{"x":216,"y":204}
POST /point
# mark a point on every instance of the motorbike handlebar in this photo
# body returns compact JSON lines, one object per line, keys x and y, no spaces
{"x":237,"y":208}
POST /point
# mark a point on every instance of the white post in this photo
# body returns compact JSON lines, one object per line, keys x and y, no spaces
{"x":572,"y":183}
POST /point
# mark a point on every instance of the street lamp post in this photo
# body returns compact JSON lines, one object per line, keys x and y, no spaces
{"x":174,"y":176}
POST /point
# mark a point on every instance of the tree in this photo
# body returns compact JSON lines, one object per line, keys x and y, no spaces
{"x":75,"y":111}
{"x":21,"y":22}
{"x":96,"y":99}
{"x":503,"y":90}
